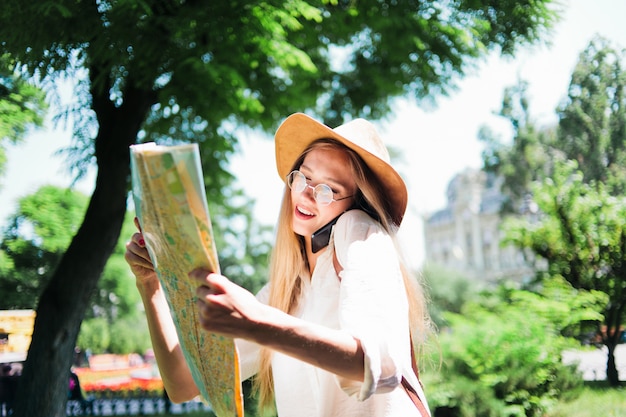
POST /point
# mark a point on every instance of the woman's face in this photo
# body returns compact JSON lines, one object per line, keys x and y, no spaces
{"x":322,"y":166}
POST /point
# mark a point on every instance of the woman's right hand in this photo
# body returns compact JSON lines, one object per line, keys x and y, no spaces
{"x":138,"y":258}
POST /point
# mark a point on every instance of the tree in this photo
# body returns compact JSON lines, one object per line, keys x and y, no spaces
{"x":22,"y":106}
{"x":527,"y":158}
{"x":591,"y":128}
{"x":581,"y":234}
{"x":34,"y":242}
{"x":193,"y":71}
{"x":116,"y":296}
{"x":42,"y":228}
{"x":591,"y":132}
{"x":592,"y":120}
{"x":243,"y":244}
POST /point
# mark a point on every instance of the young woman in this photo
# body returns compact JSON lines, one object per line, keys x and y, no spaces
{"x":333,"y":332}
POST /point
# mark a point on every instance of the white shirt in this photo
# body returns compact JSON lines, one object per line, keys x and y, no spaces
{"x":369,"y":302}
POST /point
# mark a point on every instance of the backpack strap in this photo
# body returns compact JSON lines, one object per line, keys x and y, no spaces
{"x":415,"y":398}
{"x":409,"y":388}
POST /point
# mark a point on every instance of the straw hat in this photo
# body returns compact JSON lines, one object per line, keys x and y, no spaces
{"x":299,"y":130}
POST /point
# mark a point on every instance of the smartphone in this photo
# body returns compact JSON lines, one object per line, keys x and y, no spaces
{"x":321,"y":238}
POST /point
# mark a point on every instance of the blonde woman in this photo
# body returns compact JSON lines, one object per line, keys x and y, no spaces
{"x":333,"y":332}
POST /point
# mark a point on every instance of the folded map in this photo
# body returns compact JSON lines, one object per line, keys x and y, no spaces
{"x":170,"y":202}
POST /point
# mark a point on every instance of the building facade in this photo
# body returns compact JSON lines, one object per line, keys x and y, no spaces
{"x":465,"y":235}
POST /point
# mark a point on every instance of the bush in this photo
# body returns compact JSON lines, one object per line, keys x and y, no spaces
{"x":502,"y":358}
{"x":94,"y":335}
{"x":449,"y":291}
{"x":129,"y":335}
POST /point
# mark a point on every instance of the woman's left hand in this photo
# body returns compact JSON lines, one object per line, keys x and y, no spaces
{"x":224,"y":307}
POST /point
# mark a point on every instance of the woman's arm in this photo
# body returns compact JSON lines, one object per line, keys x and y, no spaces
{"x":374,"y":303}
{"x":177,"y":378}
{"x":228,"y":309}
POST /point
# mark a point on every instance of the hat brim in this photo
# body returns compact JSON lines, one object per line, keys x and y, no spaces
{"x":298,"y":131}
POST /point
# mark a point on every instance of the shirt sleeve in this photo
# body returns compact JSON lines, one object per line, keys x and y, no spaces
{"x":373,"y":305}
{"x":247,"y":351}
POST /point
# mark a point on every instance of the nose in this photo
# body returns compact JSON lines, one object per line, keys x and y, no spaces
{"x":311,"y":193}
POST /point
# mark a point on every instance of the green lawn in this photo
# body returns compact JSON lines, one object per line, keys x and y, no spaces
{"x":594,"y":401}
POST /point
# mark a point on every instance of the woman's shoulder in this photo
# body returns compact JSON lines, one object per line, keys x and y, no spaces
{"x":358,"y":233}
{"x":356,"y":224}
{"x":355,"y":216}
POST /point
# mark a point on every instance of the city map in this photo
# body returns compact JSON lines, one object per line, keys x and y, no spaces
{"x":170,"y":202}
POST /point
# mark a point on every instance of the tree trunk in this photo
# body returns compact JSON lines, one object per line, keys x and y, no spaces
{"x":611,"y":338}
{"x":611,"y":370}
{"x":43,"y":387}
{"x":44,"y":383}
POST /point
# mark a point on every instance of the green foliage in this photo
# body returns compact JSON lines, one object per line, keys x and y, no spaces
{"x":22,"y":106}
{"x":95,"y":334}
{"x":34,"y":241}
{"x":592,"y":121}
{"x":591,"y":128}
{"x":128,"y":335}
{"x":502,"y":356}
{"x":581,"y":235}
{"x":448,"y":291}
{"x":527,"y":158}
{"x":254,"y":62}
{"x":243,"y":244}
{"x":116,"y":296}
{"x":567,"y":307}
{"x":580,"y":232}
{"x":32,"y":246}
{"x":194,"y":71}
{"x":570,"y":185}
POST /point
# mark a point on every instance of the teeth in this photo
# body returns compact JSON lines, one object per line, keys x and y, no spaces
{"x":305,"y":212}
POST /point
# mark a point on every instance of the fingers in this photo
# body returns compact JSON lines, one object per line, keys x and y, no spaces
{"x":204,"y":277}
{"x":208,"y":303}
{"x":138,"y":239}
{"x":212,"y":297}
{"x":209,"y":286}
{"x":136,"y":252}
{"x":137,"y":258}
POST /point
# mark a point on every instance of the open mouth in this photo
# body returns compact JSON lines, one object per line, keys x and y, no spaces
{"x":304,"y":212}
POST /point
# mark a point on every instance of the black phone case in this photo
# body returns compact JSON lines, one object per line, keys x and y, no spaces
{"x":321,"y":238}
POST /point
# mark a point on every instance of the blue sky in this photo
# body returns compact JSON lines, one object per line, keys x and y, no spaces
{"x":436,"y":144}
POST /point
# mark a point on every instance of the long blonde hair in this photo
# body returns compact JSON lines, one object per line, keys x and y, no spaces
{"x":289,"y":265}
